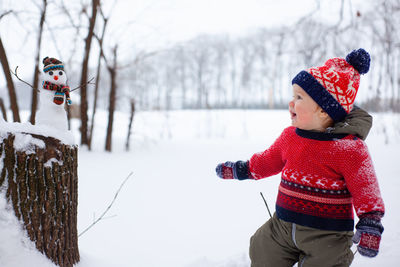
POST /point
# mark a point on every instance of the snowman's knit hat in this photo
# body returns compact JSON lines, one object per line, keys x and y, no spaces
{"x":50,"y":63}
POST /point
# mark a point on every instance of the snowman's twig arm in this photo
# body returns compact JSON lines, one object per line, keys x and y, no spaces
{"x":16,"y":75}
{"x":89,"y":82}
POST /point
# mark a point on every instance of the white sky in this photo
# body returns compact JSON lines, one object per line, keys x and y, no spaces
{"x":177,"y":20}
{"x":158,"y":23}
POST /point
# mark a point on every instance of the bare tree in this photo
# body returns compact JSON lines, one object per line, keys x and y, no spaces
{"x":220,"y":65}
{"x":100,"y":40}
{"x":10,"y":83}
{"x":200,"y":69}
{"x":3,"y":109}
{"x":128,"y":137}
{"x":112,"y":69}
{"x":84,"y":74}
{"x":36,"y":71}
{"x":182,"y":73}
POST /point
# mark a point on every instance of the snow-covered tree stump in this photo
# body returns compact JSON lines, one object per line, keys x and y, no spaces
{"x":40,"y":181}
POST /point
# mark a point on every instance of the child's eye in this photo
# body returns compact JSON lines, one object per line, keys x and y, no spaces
{"x":297,"y":97}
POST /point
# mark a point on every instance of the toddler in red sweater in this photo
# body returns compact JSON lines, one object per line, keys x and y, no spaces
{"x":326,"y":170}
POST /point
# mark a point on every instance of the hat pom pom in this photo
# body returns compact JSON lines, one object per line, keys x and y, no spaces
{"x":360,"y":60}
{"x":45,"y":59}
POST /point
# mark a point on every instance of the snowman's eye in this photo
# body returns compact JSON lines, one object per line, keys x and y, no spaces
{"x":60,"y":73}
{"x":50,"y":73}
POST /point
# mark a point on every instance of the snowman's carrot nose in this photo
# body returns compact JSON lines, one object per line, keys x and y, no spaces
{"x":56,"y":78}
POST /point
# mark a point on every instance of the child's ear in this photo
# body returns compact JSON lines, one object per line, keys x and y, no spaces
{"x":323,"y":114}
{"x":325,"y":117}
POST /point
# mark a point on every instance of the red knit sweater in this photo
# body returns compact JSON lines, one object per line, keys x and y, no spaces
{"x":323,"y":176}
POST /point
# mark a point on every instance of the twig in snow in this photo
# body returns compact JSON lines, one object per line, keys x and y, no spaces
{"x":109,"y":206}
{"x":266,"y":204}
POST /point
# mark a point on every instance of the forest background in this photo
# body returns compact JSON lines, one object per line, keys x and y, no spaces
{"x":167,"y":55}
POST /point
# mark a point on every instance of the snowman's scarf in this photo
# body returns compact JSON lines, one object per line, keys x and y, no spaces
{"x":60,"y":90}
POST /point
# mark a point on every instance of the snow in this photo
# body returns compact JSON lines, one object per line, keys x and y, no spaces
{"x":21,"y":129}
{"x":16,"y":249}
{"x":49,"y":163}
{"x":174,"y":211}
{"x":27,"y":143}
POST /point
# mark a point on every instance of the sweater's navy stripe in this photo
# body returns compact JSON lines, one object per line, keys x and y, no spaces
{"x":315,"y":222}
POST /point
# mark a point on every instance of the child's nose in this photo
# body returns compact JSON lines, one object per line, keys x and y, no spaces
{"x":291,"y":104}
{"x":56,"y":78}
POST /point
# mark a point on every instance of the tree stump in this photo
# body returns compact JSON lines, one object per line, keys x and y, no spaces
{"x":41,"y":184}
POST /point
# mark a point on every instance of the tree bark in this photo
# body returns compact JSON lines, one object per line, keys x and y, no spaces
{"x":10,"y":84}
{"x":37,"y":62}
{"x":96,"y":88}
{"x":3,"y":109}
{"x":111,"y":108}
{"x":84,"y":74}
{"x":42,"y":187}
{"x":127,"y":146}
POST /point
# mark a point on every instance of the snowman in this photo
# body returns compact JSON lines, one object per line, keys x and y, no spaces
{"x":51,"y":103}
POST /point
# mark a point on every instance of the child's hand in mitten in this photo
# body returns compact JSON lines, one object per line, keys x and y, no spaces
{"x":225,"y":170}
{"x":368,"y":234}
{"x":234,"y":170}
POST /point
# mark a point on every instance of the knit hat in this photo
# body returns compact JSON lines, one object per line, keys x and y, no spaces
{"x":334,"y":85}
{"x":52,"y":64}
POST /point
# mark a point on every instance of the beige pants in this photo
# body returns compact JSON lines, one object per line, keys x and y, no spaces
{"x":281,"y":244}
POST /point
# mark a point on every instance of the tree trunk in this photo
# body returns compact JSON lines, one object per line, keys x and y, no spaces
{"x":112,"y":98}
{"x":130,"y":125}
{"x":96,"y":88}
{"x":37,"y":62}
{"x":84,"y":74}
{"x":42,"y":187}
{"x":3,"y":109}
{"x":10,"y":84}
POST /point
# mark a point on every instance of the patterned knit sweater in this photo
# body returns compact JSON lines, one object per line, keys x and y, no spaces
{"x":323,"y":176}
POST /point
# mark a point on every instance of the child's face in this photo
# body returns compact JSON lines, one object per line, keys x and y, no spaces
{"x":305,"y":112}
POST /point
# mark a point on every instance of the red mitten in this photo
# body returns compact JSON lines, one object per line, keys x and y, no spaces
{"x":225,"y":170}
{"x":234,"y":170}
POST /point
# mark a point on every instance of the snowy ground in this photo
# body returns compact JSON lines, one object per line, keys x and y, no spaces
{"x":174,"y":211}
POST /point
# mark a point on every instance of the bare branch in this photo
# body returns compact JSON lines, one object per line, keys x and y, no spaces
{"x":5,"y":14}
{"x":139,"y":58}
{"x":36,"y":4}
{"x":69,"y":16}
{"x":309,"y":15}
{"x":269,"y":212}
{"x":108,"y":208}
{"x":77,"y":26}
{"x":89,"y":82}
{"x":54,"y":38}
{"x":16,"y":75}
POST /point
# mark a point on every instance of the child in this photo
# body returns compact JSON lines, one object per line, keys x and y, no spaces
{"x":326,"y":170}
